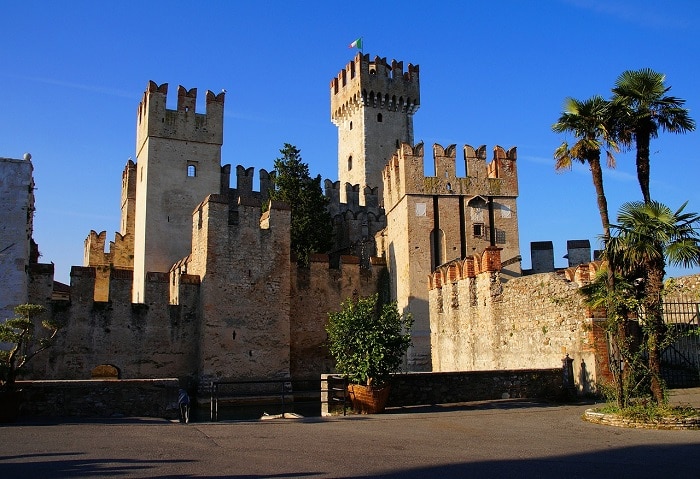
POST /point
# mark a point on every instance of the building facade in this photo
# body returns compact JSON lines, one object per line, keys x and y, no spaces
{"x":16,"y":245}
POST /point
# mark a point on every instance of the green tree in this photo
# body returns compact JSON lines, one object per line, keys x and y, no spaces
{"x":368,"y":340}
{"x":311,"y":228}
{"x":647,"y":236}
{"x":588,"y":121}
{"x":19,"y":333}
{"x":641,"y":109}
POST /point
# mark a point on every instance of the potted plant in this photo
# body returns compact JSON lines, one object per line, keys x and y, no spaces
{"x":368,"y":340}
{"x":18,"y":333}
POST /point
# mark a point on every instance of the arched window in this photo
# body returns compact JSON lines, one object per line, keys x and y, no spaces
{"x":349,"y":162}
{"x":379,"y":117}
{"x":351,"y":125}
{"x":191,"y":171}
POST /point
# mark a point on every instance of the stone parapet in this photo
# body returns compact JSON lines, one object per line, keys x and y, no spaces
{"x":101,"y":398}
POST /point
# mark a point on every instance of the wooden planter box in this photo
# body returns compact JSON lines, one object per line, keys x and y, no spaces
{"x":368,"y":400}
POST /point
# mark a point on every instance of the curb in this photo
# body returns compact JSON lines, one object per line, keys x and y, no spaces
{"x":671,"y":423}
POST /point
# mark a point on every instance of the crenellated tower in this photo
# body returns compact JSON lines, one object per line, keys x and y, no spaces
{"x":128,"y":199}
{"x":432,"y":220}
{"x":178,"y":164}
{"x":372,"y":104}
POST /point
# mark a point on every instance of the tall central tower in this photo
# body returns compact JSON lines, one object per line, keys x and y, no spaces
{"x":178,"y":164}
{"x":372,"y":104}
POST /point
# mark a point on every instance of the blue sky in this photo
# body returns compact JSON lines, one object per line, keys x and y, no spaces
{"x":494,"y":73}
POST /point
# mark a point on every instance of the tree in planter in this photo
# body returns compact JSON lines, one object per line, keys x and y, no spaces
{"x":311,"y":225}
{"x":368,"y":340}
{"x":19,"y":333}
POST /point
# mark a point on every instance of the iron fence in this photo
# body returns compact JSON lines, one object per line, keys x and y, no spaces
{"x":249,"y":399}
{"x":680,"y":360}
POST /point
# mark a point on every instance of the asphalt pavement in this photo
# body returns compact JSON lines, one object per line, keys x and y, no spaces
{"x":492,"y":439}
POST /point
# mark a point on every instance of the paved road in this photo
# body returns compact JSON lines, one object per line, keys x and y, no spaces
{"x":511,"y":438}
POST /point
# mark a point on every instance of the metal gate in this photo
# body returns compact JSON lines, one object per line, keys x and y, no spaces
{"x":680,"y":361}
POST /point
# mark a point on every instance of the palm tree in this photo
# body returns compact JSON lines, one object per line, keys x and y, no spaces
{"x":641,"y":110}
{"x":649,"y":235}
{"x":587,"y":120}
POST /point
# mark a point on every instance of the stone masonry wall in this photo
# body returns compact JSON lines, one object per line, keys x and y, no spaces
{"x":101,"y":398}
{"x":243,"y":260}
{"x":480,"y":323}
{"x":314,"y":293}
{"x":141,"y":340}
{"x":421,"y":389}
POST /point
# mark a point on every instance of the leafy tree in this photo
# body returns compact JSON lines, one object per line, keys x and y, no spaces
{"x":588,"y":121}
{"x":19,"y":332}
{"x":648,"y":235}
{"x":368,"y":339}
{"x":642,"y":109}
{"x":311,"y":228}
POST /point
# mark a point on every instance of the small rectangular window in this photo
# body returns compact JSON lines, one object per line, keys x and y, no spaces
{"x":478,"y":230}
{"x":500,"y":237}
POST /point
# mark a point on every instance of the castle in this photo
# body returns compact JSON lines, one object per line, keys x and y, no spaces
{"x":199,"y":283}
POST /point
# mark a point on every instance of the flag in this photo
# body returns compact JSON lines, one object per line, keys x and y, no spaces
{"x":356,"y":44}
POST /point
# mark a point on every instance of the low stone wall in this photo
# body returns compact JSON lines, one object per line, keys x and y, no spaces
{"x":453,"y":387}
{"x":415,"y":389}
{"x":100,"y":398}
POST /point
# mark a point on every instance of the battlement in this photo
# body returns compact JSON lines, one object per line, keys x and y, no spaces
{"x":488,"y":262}
{"x":220,"y":226}
{"x":375,"y":84}
{"x":404,"y":173}
{"x":356,"y":198}
{"x":155,"y":120}
{"x":244,"y":184}
{"x":356,"y":221}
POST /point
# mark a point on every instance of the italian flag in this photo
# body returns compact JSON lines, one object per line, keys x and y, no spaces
{"x":356,"y":44}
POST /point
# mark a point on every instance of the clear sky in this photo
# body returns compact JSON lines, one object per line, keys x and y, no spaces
{"x":72,"y":74}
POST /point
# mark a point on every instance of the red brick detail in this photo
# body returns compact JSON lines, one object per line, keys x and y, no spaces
{"x":491,"y":259}
{"x":468,"y":270}
{"x":452,"y":273}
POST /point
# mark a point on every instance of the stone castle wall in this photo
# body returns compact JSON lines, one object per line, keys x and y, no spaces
{"x":243,"y":260}
{"x":317,"y":291}
{"x":141,"y":340}
{"x":224,"y":312}
{"x":480,"y":323}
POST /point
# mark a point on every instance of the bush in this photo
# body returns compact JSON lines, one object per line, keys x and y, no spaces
{"x":368,"y":340}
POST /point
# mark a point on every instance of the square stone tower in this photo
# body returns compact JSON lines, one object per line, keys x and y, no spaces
{"x":372,"y":104}
{"x":16,"y":227}
{"x":432,"y":220}
{"x":178,"y":165}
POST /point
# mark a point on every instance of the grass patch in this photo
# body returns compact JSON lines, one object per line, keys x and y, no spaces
{"x":648,"y":412}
